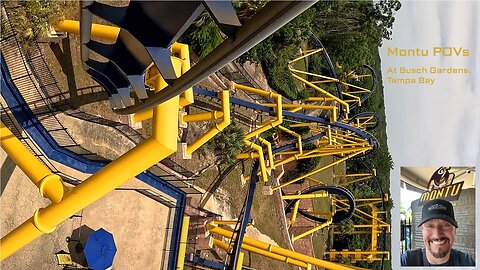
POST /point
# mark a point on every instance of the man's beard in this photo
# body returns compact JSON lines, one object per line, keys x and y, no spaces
{"x":440,"y":253}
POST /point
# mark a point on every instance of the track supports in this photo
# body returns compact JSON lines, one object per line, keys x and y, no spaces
{"x":274,"y":252}
{"x":49,"y":184}
{"x":162,"y":144}
{"x":262,"y":128}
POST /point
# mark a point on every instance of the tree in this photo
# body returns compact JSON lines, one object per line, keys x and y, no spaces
{"x":203,"y":36}
{"x":346,"y":227}
{"x":385,"y":10}
{"x":227,"y":144}
{"x":298,"y":30}
{"x":343,"y":18}
{"x":246,"y":9}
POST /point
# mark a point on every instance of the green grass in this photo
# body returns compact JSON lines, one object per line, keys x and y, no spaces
{"x":323,"y":204}
{"x":31,"y":19}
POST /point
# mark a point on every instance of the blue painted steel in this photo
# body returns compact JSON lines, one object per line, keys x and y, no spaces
{"x":319,"y":44}
{"x":100,"y":250}
{"x":53,"y":151}
{"x":167,"y":19}
{"x":132,"y":60}
{"x":103,"y":80}
{"x":246,"y":216}
{"x":338,"y":216}
{"x":372,"y":88}
{"x":233,"y":100}
{"x":197,"y":260}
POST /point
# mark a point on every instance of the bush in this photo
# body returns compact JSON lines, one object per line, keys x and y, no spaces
{"x":227,"y":144}
{"x":346,"y":227}
{"x":203,"y":36}
{"x":31,"y":19}
{"x":290,"y":175}
{"x":275,"y":59}
{"x":303,"y":167}
{"x":308,"y":164}
{"x":275,"y":52}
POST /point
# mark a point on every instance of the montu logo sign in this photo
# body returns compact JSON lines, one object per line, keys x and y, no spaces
{"x":449,"y":193}
{"x":441,"y":186}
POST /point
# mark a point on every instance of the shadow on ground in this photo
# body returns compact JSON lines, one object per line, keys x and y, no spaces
{"x":76,"y":243}
{"x":63,"y":54}
{"x":8,"y":167}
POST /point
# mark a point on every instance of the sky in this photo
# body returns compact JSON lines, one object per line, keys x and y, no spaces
{"x":439,"y":124}
{"x":431,"y":125}
{"x":408,"y":196}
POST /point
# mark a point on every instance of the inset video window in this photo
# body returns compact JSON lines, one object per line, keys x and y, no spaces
{"x":437,"y":223}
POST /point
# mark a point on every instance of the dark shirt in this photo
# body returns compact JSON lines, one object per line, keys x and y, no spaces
{"x":417,"y":257}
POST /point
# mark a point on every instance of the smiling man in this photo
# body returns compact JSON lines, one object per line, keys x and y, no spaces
{"x":438,"y":229}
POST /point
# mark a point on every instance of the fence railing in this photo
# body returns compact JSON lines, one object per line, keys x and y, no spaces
{"x":9,"y":121}
{"x":178,"y":175}
{"x":38,"y":99}
{"x":34,"y":92}
{"x":38,"y":86}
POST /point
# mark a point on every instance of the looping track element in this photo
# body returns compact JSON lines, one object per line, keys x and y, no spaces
{"x":373,"y":75}
{"x":353,"y":87}
{"x":336,"y":190}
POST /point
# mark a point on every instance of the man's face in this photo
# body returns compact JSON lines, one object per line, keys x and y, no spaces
{"x":438,"y":237}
